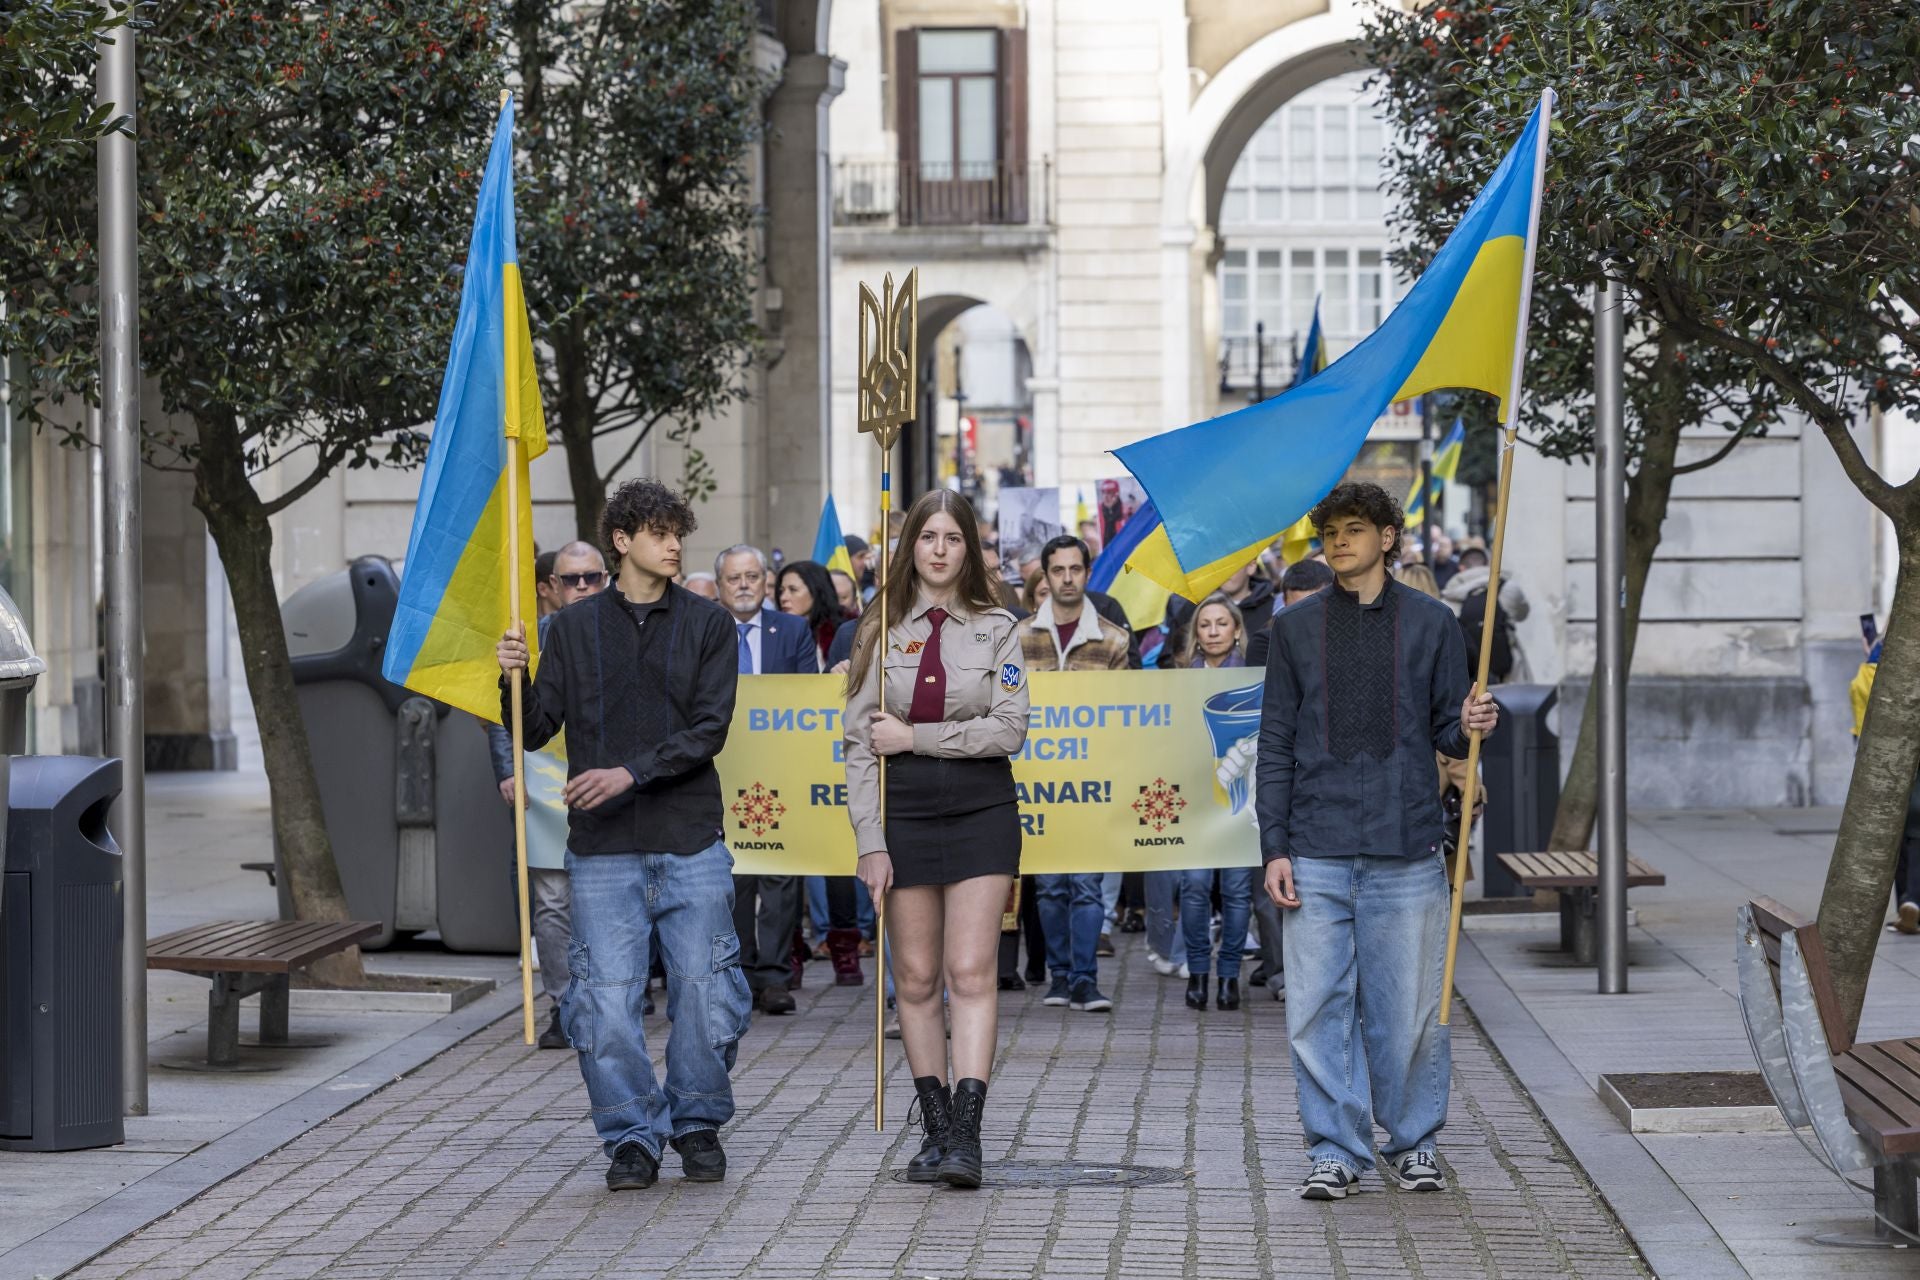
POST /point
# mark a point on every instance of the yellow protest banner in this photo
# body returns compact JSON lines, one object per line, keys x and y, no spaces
{"x":1122,"y":771}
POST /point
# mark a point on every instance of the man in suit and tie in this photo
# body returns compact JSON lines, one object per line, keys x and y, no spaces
{"x":766,"y":909}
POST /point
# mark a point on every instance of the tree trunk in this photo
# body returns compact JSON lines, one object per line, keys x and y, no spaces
{"x":1648,"y":490}
{"x":235,"y":518}
{"x":1853,"y":905}
{"x":576,"y":423}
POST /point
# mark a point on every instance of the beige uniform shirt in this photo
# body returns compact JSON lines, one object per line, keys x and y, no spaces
{"x":986,"y":712}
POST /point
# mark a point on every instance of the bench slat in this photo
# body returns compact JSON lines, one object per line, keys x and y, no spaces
{"x":255,"y":946}
{"x":1639,"y":872}
{"x":1902,"y":1092}
{"x":1563,"y":870}
{"x":1885,"y":1117}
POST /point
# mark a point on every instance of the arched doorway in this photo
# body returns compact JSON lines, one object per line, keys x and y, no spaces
{"x":974,"y":430}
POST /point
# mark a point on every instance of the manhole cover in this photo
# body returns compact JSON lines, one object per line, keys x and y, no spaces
{"x":1047,"y":1174}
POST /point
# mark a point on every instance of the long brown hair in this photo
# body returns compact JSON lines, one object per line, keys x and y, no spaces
{"x":974,"y":586}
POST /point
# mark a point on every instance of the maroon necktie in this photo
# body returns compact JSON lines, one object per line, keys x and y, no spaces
{"x":930,"y":684}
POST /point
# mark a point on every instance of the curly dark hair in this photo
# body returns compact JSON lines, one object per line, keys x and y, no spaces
{"x":1368,"y":501}
{"x":645,"y":504}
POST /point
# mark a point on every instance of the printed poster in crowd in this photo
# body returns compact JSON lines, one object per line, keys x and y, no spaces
{"x":1028,"y":519}
{"x":1121,"y":772}
{"x":1120,"y":497}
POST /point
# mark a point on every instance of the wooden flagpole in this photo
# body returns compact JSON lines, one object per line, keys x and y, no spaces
{"x":519,"y":765}
{"x":889,"y":373}
{"x":1509,"y":411}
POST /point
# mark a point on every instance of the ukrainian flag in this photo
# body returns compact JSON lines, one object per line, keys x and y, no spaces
{"x":454,"y":603}
{"x":1143,"y":598}
{"x":1226,"y":487}
{"x":1313,"y":356}
{"x":829,"y":544}
{"x":1446,"y":464}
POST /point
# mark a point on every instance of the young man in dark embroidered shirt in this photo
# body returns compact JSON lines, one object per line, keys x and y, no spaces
{"x":1365,"y":681}
{"x":642,"y":678}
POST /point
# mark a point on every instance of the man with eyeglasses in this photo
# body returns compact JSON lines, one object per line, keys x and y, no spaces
{"x":766,"y":909}
{"x":579,"y":571}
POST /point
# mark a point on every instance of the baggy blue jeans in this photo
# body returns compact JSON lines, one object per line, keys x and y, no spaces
{"x":1364,"y":951}
{"x":622,"y":904}
{"x":1071,"y":915}
{"x":1196,"y":918}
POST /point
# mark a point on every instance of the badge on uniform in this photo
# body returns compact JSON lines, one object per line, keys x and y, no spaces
{"x":915,"y":646}
{"x":1010,"y":677}
{"x":980,"y":637}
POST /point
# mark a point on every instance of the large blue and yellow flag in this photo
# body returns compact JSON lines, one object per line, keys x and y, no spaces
{"x":1313,"y":356}
{"x":829,"y":544}
{"x":454,"y":602}
{"x":1143,"y":599}
{"x":1226,"y":487}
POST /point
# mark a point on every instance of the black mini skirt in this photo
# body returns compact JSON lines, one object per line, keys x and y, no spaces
{"x":951,"y":819}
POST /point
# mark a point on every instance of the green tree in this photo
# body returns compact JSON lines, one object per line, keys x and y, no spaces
{"x":307,"y":178}
{"x":1754,"y":171}
{"x":47,"y":50}
{"x":635,"y":219}
{"x":1457,"y":86}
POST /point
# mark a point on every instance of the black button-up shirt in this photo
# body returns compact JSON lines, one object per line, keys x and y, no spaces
{"x":1358,"y":699}
{"x":649,"y":689}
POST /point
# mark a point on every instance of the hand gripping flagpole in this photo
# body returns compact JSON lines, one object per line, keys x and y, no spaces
{"x":1508,"y":413}
{"x":516,"y":728}
{"x":889,"y":372}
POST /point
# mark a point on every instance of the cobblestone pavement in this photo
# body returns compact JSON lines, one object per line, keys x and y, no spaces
{"x":483,"y":1165}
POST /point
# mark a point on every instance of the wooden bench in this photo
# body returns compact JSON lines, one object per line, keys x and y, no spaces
{"x":242,"y":957}
{"x":1861,"y":1100}
{"x":1577,"y":878}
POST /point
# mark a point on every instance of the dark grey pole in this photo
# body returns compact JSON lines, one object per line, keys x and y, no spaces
{"x":120,"y":463}
{"x":1610,"y":463}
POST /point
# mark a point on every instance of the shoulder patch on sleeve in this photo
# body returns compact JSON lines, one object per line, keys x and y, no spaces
{"x":1011,"y":677}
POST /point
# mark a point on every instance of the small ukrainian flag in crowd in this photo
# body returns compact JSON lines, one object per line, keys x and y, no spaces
{"x":829,"y":544}
{"x":1446,"y":464}
{"x":1313,"y":356}
{"x":454,"y":603}
{"x":1227,"y":487}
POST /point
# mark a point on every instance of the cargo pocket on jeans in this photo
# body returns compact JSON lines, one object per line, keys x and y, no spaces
{"x":728,"y":1000}
{"x":576,"y":1006}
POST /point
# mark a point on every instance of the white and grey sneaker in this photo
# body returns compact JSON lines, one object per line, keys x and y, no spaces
{"x":1330,"y":1180}
{"x":1417,"y":1171}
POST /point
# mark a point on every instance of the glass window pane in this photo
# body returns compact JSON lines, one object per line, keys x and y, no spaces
{"x":1234,"y":207}
{"x":1235,"y":259}
{"x":978,"y":143}
{"x":1336,"y":311}
{"x":1366,"y":147}
{"x":1267,"y":205}
{"x":1336,"y":165}
{"x":1233,"y":319}
{"x":957,"y":51}
{"x":1301,"y":291}
{"x":1335,"y":204}
{"x":936,"y":130}
{"x":1372,"y":309}
{"x":1242,"y":175}
{"x":1300,"y":147}
{"x":1367,"y":204}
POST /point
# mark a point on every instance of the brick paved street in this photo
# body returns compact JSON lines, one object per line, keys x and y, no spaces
{"x":483,"y":1165}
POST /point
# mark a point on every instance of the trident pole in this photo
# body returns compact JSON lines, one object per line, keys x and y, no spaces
{"x":113,"y":82}
{"x":889,"y":374}
{"x":1610,"y":455}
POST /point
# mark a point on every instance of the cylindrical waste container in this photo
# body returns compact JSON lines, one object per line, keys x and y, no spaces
{"x":1521,"y":765}
{"x":60,"y":957}
{"x":418,"y":829}
{"x":19,"y":668}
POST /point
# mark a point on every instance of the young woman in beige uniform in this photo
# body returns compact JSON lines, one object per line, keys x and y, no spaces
{"x":948,"y":846}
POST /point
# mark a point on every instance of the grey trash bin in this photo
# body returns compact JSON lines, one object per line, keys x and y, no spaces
{"x":1521,"y":765}
{"x":60,"y":957}
{"x":419,"y":833}
{"x":20,"y":667}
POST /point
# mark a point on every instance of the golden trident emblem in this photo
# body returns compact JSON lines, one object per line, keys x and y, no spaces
{"x":889,"y":388}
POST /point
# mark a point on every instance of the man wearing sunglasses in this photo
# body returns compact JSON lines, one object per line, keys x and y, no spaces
{"x":579,"y":571}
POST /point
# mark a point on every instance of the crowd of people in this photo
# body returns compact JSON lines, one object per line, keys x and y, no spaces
{"x":946,"y":852}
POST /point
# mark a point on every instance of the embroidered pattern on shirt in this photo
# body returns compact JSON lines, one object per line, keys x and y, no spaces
{"x":1360,"y":676}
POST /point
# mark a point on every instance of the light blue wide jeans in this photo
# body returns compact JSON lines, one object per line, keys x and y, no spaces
{"x":622,"y":904}
{"x":1364,"y":950}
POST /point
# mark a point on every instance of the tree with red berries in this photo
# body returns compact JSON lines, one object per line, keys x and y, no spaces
{"x":307,"y":174}
{"x":1751,"y":173}
{"x":636,"y":225}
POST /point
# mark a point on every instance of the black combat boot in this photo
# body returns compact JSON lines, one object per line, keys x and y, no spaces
{"x":1229,"y":997}
{"x":1197,"y":991}
{"x":960,"y":1160}
{"x":936,"y":1114}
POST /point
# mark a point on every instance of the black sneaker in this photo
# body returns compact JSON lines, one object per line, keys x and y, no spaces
{"x":1104,"y":947}
{"x":633,"y":1169}
{"x":773,"y":1000}
{"x":1089,"y":1000}
{"x":701,"y":1158}
{"x":553,"y":1037}
{"x":1417,"y":1171}
{"x":1057,"y":994}
{"x":1012,"y":982}
{"x":1330,"y":1180}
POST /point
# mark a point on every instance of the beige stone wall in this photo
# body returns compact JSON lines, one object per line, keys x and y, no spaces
{"x":1217,"y":30}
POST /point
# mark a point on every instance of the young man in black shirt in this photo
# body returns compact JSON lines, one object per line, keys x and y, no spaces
{"x":642,"y":679}
{"x":1366,"y":679}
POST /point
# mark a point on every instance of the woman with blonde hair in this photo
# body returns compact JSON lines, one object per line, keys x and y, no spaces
{"x":942,"y":847}
{"x":1217,"y":637}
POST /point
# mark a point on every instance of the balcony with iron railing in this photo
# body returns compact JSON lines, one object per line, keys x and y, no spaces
{"x":1257,"y":367}
{"x":884,"y":193}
